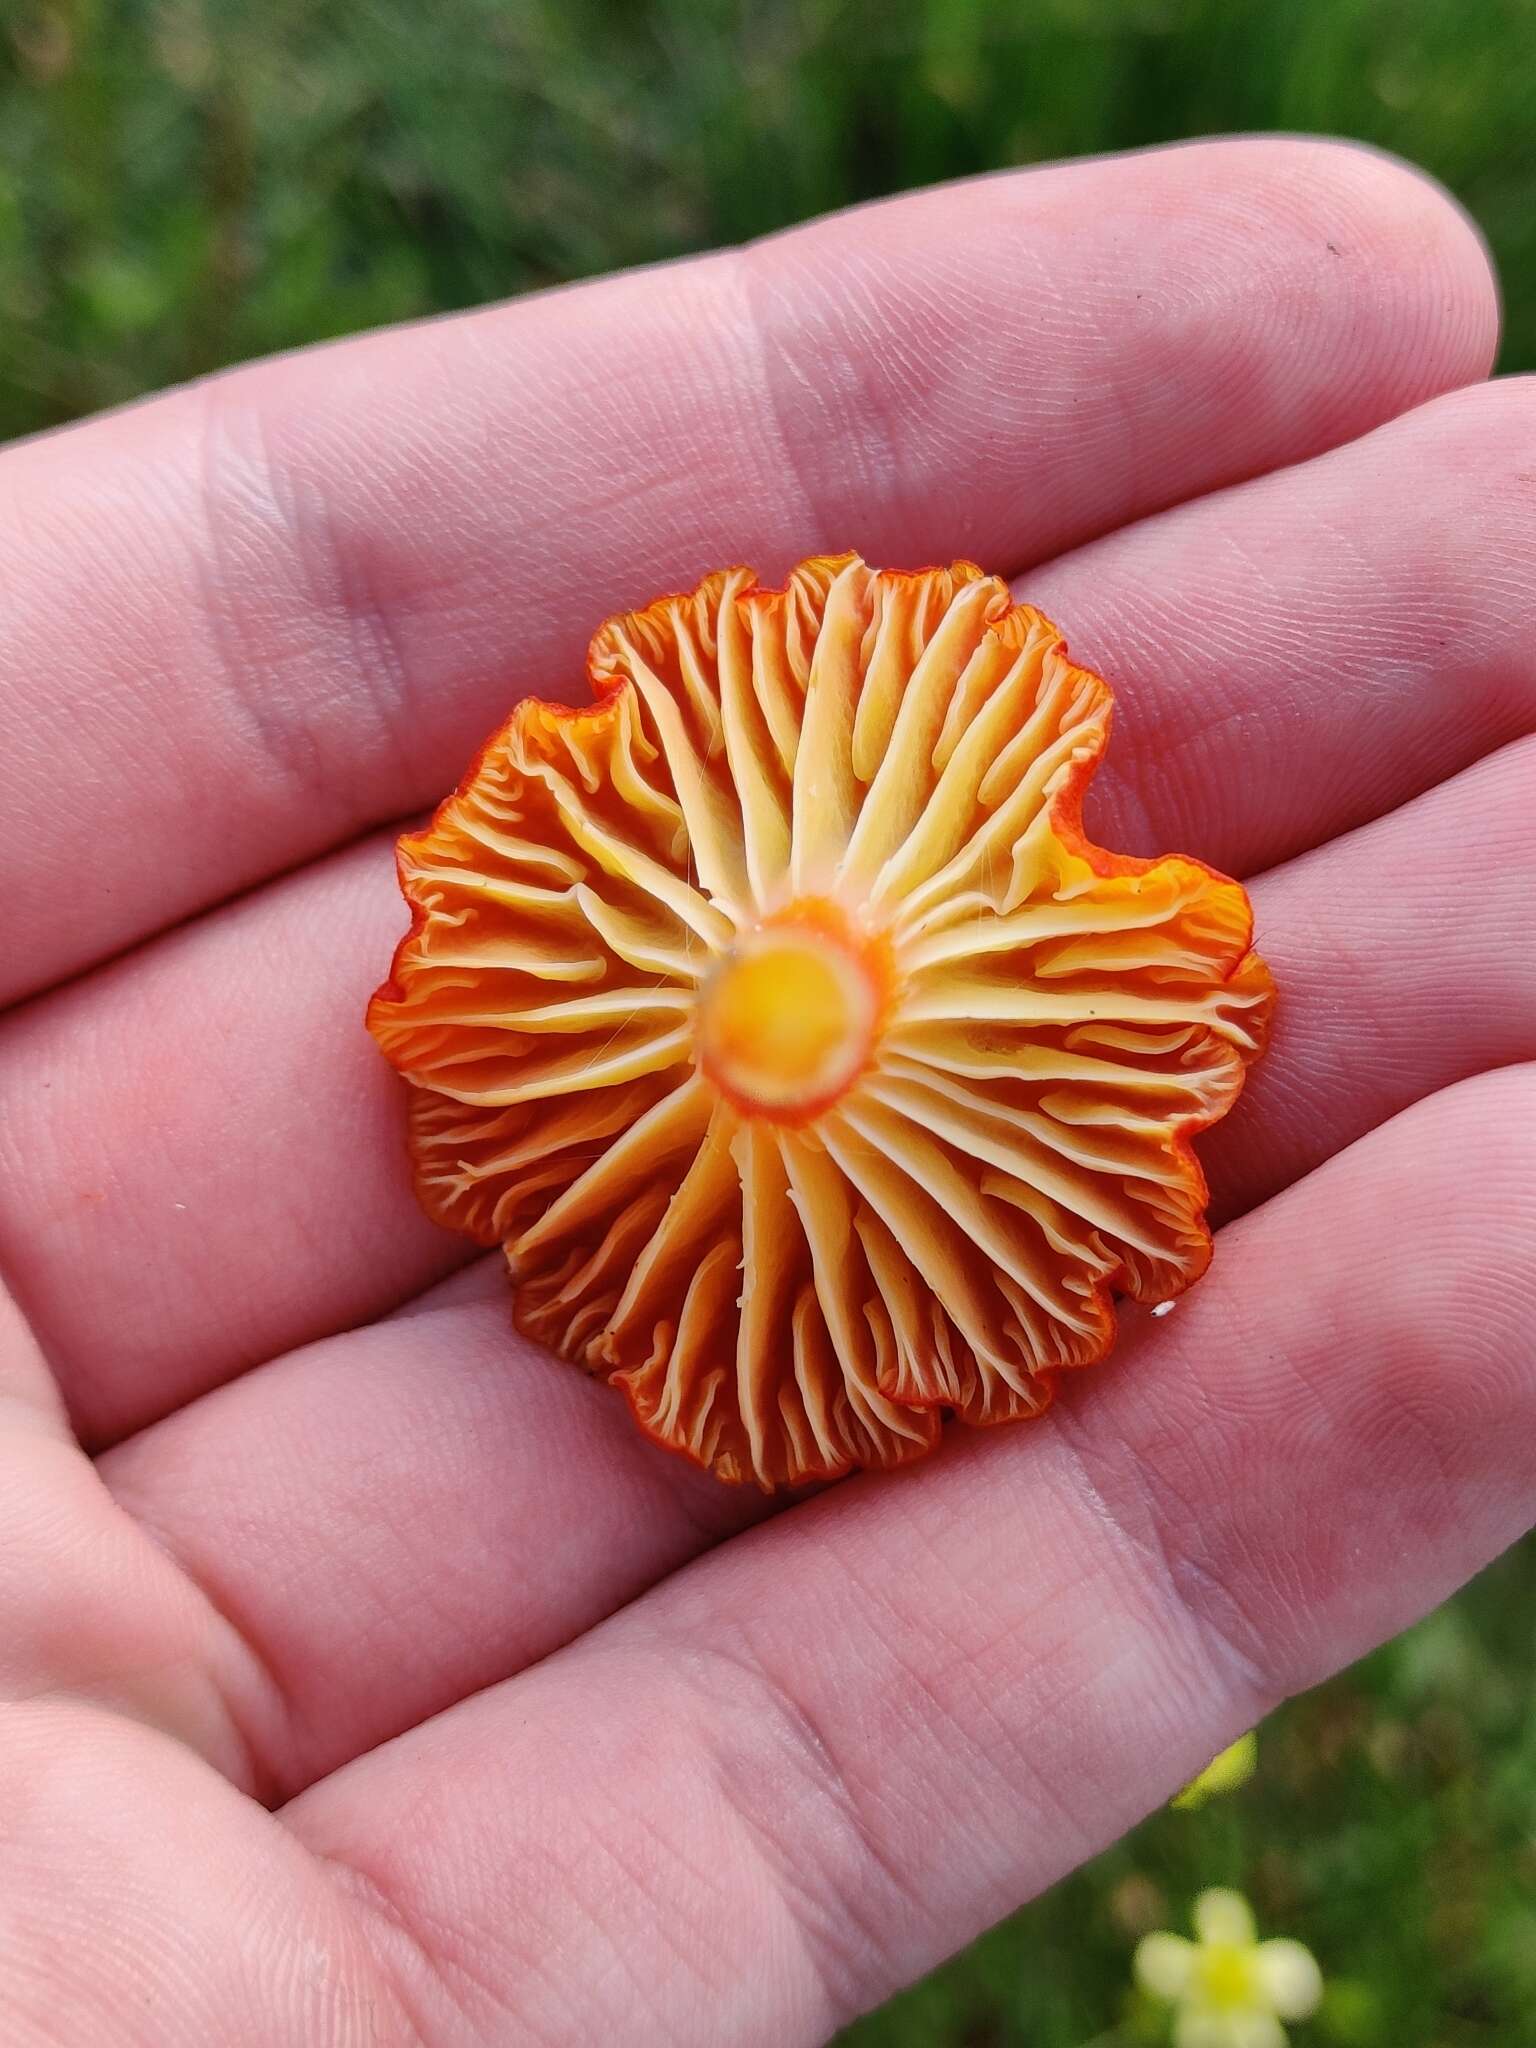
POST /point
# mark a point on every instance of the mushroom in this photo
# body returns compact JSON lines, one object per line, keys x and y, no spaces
{"x":817,"y":1074}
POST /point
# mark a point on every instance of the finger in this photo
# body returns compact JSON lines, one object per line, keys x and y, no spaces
{"x":149,"y":1904}
{"x":89,"y":1608}
{"x":292,"y":600}
{"x":245,"y":1031}
{"x":406,"y":1515}
{"x":1301,"y":654}
{"x":202,"y":1156}
{"x":809,"y":1767}
{"x":1404,"y":954}
{"x":29,"y":1399}
{"x":302,"y":1490}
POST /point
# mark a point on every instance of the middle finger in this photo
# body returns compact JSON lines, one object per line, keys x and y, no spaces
{"x":1295,"y":655}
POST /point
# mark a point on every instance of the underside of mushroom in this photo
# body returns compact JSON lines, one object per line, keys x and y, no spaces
{"x":818,"y":1076}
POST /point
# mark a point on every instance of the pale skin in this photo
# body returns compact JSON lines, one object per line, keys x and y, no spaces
{"x":364,"y":1677}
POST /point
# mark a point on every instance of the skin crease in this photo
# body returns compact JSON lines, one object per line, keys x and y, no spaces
{"x":1410,"y":649}
{"x":393,"y":1690}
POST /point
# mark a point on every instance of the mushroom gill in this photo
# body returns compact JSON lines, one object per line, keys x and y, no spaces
{"x":817,"y":1075}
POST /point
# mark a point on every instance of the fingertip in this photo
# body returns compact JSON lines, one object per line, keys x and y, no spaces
{"x":1426,"y":243}
{"x":1374,"y":232}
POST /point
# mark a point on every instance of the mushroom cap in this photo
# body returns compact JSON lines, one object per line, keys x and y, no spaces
{"x":818,"y":1076}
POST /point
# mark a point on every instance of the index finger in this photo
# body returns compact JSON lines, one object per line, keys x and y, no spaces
{"x":245,"y":622}
{"x":823,"y":1757}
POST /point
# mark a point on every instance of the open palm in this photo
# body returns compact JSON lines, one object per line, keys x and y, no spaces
{"x":364,"y":1677}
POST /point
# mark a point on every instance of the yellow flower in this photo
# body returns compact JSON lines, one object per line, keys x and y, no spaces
{"x":1224,"y":1773}
{"x":1228,"y":1988}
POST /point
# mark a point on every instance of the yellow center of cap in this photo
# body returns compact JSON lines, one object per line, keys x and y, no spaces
{"x":787,"y":1019}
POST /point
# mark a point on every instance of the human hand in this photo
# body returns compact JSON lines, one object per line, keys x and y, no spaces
{"x":377,"y":1683}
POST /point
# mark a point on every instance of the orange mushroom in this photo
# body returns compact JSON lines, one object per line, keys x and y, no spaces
{"x":818,"y":1076}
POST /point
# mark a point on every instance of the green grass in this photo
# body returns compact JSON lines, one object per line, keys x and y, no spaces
{"x":187,"y":183}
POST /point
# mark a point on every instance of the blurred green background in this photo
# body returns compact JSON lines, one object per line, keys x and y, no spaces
{"x":187,"y":182}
